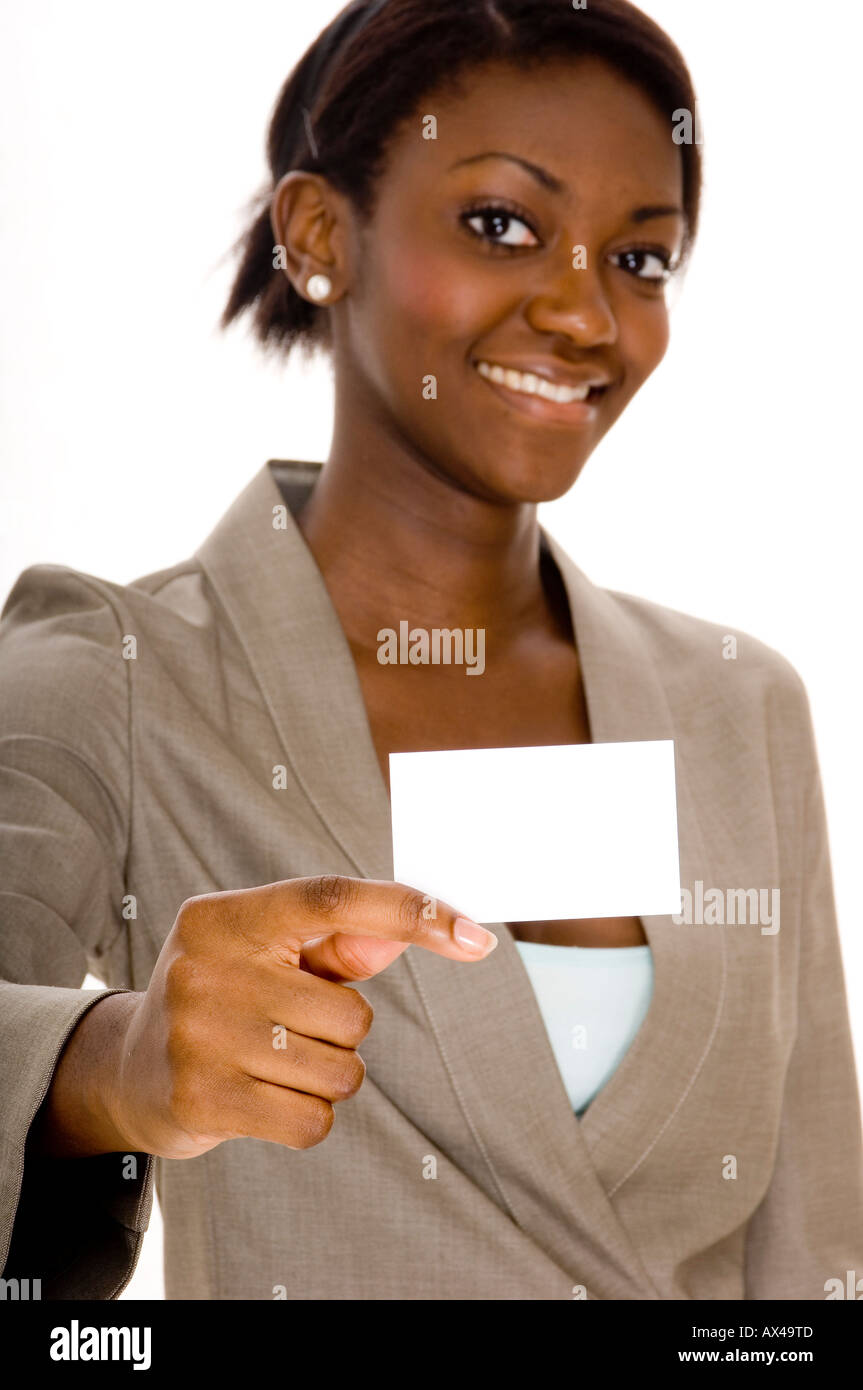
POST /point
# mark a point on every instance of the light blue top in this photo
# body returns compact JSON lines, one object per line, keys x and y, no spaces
{"x":593,"y":1001}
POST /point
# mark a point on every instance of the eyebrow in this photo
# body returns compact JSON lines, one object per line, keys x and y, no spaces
{"x":541,"y":175}
{"x":645,"y":214}
{"x":555,"y":185}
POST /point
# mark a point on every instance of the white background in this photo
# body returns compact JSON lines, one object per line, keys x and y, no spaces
{"x":131,"y":141}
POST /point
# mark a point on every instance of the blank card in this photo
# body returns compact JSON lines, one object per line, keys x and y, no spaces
{"x":534,"y":834}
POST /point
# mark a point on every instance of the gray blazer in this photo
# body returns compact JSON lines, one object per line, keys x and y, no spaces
{"x":721,"y":1161}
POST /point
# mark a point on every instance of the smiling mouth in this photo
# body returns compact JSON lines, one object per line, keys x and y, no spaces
{"x":530,"y":384}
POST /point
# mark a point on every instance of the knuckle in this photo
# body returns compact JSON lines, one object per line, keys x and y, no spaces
{"x":315,"y":1123}
{"x":362,"y":1015}
{"x":193,"y":916}
{"x":182,"y":982}
{"x":412,"y":912}
{"x":180,"y":1038}
{"x":327,"y":895}
{"x":357,"y":1015}
{"x":349,"y":1077}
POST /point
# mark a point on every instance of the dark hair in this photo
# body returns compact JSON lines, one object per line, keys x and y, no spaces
{"x":369,"y":70}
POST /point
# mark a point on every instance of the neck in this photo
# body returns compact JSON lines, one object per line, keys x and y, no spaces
{"x":395,"y":540}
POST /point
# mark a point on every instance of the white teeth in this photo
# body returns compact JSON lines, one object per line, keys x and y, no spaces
{"x":532,"y":385}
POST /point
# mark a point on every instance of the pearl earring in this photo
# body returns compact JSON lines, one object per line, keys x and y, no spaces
{"x":319,"y":286}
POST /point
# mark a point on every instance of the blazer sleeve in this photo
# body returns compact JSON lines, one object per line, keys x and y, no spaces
{"x":808,"y":1229}
{"x":74,"y":1224}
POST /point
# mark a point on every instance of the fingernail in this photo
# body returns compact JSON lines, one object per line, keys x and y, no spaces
{"x":472,"y":936}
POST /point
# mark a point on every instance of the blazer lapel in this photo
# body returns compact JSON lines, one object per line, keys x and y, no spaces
{"x":626,"y":700}
{"x":274,"y":594}
{"x":555,"y":1175}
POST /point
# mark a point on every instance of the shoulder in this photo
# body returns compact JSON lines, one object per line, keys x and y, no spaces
{"x":54,"y":609}
{"x":58,"y":620}
{"x":720,"y":670}
{"x":66,"y":639}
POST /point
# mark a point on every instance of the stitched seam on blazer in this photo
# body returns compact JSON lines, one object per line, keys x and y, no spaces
{"x":459,"y":1096}
{"x":102,"y":948}
{"x":105,"y":594}
{"x":130,"y":760}
{"x":76,"y":756}
{"x":477,"y":1137}
{"x":694,"y":1077}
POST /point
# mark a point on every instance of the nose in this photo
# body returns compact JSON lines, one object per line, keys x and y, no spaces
{"x":573,"y":302}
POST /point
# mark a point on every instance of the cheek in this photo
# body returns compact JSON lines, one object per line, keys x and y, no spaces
{"x":415,"y":315}
{"x":644,"y":337}
{"x":424,"y":296}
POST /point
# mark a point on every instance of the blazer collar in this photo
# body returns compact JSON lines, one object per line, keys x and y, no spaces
{"x":556,"y":1176}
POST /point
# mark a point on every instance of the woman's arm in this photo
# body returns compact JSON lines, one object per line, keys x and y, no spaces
{"x":808,"y":1230}
{"x":74,"y":1224}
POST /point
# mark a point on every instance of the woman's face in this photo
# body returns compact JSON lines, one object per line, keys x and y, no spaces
{"x":471,"y":266}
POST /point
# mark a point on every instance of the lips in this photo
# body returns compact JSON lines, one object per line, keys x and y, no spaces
{"x":545,"y":393}
{"x":539,"y":381}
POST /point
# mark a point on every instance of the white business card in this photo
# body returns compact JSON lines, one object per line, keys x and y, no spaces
{"x":537,"y":834}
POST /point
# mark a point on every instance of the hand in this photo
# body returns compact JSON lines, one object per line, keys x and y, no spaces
{"x":247,"y":1028}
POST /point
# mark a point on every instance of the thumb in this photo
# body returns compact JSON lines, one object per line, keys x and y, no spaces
{"x":341,"y":958}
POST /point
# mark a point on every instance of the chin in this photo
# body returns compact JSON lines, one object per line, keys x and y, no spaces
{"x":530,"y":482}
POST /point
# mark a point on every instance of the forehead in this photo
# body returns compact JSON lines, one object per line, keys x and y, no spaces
{"x":581,"y":119}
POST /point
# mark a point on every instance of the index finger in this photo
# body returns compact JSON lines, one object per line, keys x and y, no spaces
{"x":296,"y":912}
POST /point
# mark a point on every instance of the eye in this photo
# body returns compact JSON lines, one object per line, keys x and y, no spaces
{"x":645,"y":263}
{"x":499,"y":225}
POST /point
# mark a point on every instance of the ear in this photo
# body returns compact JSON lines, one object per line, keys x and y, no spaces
{"x":308,"y":218}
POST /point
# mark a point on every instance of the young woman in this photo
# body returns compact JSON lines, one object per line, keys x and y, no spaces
{"x":475,"y":207}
